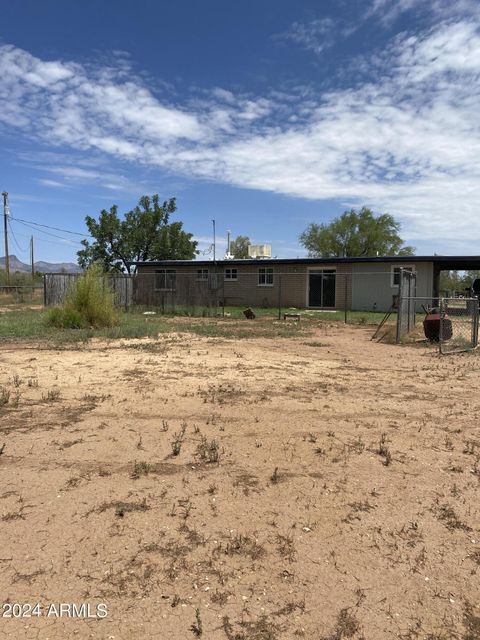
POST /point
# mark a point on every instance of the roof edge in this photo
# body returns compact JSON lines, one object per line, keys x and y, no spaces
{"x":353,"y":260}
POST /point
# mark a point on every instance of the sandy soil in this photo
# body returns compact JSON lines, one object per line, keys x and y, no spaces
{"x":343,"y":504}
{"x":20,"y":307}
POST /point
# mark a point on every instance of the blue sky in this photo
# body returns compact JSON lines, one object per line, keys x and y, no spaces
{"x":265,"y":116}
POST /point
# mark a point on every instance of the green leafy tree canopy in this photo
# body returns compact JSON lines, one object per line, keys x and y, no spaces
{"x":452,"y":282}
{"x":239,"y":247}
{"x":355,"y":234}
{"x":145,"y":233}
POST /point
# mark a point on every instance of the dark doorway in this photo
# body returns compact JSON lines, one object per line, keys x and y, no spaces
{"x":321,"y":288}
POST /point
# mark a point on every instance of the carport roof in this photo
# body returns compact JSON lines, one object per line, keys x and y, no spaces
{"x":441,"y":263}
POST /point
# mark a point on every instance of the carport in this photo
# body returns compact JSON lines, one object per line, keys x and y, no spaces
{"x":451,"y":263}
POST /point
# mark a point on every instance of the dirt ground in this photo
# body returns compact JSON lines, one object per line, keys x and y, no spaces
{"x":322,"y":487}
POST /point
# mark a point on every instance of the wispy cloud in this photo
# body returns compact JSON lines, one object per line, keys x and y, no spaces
{"x":320,"y":34}
{"x":388,"y":11}
{"x":407,"y":140}
{"x":314,"y":35}
{"x":78,"y":171}
{"x":75,"y":176}
{"x":46,"y":182}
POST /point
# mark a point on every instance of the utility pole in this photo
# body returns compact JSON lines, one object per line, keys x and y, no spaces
{"x":213,"y":221}
{"x":32,"y":260}
{"x":5,"y":228}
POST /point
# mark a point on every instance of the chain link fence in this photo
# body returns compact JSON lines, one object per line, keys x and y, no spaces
{"x":229,"y":291}
{"x":458,"y":325}
{"x":451,"y":323}
{"x":389,"y":297}
{"x":22,"y":294}
{"x":406,"y":302}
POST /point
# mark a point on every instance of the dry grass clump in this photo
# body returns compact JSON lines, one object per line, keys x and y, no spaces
{"x":208,"y":450}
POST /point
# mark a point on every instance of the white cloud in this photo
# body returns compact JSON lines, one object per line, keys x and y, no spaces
{"x":78,"y":176}
{"x":388,"y":11}
{"x":46,"y":182}
{"x":75,"y":103}
{"x":406,"y":141}
{"x":315,"y":35}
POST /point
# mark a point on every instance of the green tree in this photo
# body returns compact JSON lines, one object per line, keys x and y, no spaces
{"x":355,"y":234}
{"x":470,"y":276}
{"x":451,"y":281}
{"x":239,"y":247}
{"x":145,"y":233}
{"x":457,"y":281}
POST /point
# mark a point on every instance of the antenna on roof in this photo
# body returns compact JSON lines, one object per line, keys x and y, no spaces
{"x":228,"y":255}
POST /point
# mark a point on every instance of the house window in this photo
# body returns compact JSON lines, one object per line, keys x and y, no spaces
{"x":395,"y":273}
{"x":165,"y":280}
{"x":265,"y":277}
{"x":202,"y":274}
{"x":230,"y":274}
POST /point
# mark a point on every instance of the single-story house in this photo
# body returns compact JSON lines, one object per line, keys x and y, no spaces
{"x":367,"y":283}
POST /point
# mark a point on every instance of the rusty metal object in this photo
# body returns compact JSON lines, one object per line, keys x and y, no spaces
{"x":433,"y":324}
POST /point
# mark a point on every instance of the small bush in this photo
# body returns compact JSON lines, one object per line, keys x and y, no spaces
{"x":208,"y":450}
{"x":88,"y":303}
{"x":177,"y":441}
{"x":65,"y":318}
{"x":52,"y":396}
{"x":384,"y":451}
{"x":176,"y":445}
{"x":4,"y":396}
{"x":140,"y":469}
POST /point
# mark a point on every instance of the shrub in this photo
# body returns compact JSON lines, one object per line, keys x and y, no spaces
{"x":4,"y":396}
{"x":89,"y":303}
{"x":209,"y":451}
{"x":65,"y":318}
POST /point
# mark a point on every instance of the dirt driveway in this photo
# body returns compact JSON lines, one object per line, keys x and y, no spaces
{"x":321,"y":487}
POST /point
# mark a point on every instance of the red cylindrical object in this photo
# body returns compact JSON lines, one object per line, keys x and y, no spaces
{"x":431,"y":327}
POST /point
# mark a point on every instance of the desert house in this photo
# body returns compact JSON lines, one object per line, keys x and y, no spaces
{"x":362,"y":284}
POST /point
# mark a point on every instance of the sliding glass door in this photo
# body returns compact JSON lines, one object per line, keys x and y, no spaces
{"x":321,"y":288}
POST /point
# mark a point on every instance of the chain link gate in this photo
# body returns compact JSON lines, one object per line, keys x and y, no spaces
{"x":458,"y":325}
{"x":406,"y":302}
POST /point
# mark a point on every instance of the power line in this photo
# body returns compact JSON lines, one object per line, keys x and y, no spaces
{"x":15,"y":238}
{"x":34,"y":225}
{"x":26,"y":224}
{"x":39,"y":239}
{"x":46,"y":226}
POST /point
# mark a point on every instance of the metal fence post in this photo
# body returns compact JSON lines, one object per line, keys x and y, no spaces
{"x":474,"y":308}
{"x":442,"y":338}
{"x":399,"y":310}
{"x":412,"y":293}
{"x":280,"y":296}
{"x":223,"y":297}
{"x":345,"y":298}
{"x":409,"y":301}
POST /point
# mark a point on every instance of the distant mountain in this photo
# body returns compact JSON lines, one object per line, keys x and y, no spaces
{"x":57,"y":267}
{"x":15,"y":264}
{"x":40,"y":266}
